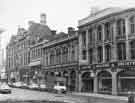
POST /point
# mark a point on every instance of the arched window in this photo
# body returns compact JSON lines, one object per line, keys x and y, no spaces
{"x":99,"y":33}
{"x":121,"y":27}
{"x":100,"y":54}
{"x":132,"y":49}
{"x":108,"y":53}
{"x":132,"y":24}
{"x":121,"y":51}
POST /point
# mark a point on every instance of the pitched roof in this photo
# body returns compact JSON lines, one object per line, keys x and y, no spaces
{"x":43,"y":31}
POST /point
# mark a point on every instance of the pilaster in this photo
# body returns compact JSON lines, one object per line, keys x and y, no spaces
{"x":114,"y":46}
{"x":103,"y":34}
{"x":114,"y":83}
{"x":127,"y":42}
{"x":95,"y":84}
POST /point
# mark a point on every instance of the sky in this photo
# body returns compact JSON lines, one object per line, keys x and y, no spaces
{"x":60,"y":13}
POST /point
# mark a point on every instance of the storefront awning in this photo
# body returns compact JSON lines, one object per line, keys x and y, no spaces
{"x":35,"y":63}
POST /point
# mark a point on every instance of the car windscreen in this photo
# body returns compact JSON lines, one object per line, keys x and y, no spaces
{"x":61,"y":84}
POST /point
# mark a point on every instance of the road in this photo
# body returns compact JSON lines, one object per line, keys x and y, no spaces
{"x":24,"y":94}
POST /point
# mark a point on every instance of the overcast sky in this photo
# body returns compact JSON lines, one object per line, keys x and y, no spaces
{"x":60,"y":13}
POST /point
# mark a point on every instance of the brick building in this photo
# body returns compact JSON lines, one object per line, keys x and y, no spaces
{"x":39,"y":52}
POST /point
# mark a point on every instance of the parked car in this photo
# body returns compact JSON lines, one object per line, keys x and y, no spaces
{"x":4,"y":88}
{"x":60,"y":87}
{"x":17,"y":84}
{"x":42,"y":86}
{"x":33,"y":86}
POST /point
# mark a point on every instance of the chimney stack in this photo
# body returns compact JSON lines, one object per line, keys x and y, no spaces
{"x":43,"y":19}
{"x":71,"y":30}
{"x":53,"y":32}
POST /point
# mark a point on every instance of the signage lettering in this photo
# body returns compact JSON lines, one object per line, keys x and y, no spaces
{"x":102,"y":65}
{"x":126,"y":64}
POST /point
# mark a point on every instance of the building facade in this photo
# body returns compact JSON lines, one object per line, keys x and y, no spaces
{"x":107,"y":51}
{"x":98,"y":58}
{"x":35,"y":54}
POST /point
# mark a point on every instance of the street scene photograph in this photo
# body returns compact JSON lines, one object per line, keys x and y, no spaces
{"x":67,"y":51}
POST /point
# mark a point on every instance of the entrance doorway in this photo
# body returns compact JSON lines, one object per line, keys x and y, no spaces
{"x":88,"y":82}
{"x":105,"y":82}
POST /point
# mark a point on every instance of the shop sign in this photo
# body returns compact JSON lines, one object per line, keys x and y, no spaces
{"x":126,"y":63}
{"x":103,"y":65}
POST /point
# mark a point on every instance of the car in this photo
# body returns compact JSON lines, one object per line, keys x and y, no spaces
{"x":4,"y":88}
{"x":60,"y":87}
{"x":42,"y":86}
{"x":18,"y":84}
{"x":33,"y":86}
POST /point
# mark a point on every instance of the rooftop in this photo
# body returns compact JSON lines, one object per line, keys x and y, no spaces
{"x":100,"y":14}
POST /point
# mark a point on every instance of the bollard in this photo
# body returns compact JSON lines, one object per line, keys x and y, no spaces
{"x":130,"y":97}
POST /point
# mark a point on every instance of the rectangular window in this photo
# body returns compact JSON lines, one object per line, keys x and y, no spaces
{"x":121,"y":51}
{"x":90,"y":36}
{"x":90,"y":56}
{"x":100,"y":55}
{"x":84,"y":54}
{"x":84,"y":38}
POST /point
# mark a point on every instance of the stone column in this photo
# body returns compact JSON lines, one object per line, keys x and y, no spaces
{"x":95,"y":84}
{"x":114,"y":83}
{"x":127,"y":41}
{"x":103,"y":34}
{"x":114,"y":45}
{"x":48,"y":57}
{"x":79,"y":82}
{"x":87,"y":43}
{"x":80,"y":46}
{"x":69,"y":53}
{"x":95,"y":49}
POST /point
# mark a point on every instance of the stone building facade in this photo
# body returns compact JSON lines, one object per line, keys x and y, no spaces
{"x":107,"y":51}
{"x":98,"y":58}
{"x":39,"y":52}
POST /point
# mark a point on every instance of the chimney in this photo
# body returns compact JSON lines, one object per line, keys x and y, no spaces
{"x":30,"y":23}
{"x":43,"y":19}
{"x":53,"y":32}
{"x":71,"y":30}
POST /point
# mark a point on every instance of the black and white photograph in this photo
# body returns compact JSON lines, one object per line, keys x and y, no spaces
{"x":67,"y":51}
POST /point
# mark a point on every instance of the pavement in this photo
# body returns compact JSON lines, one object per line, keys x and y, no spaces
{"x":24,"y":94}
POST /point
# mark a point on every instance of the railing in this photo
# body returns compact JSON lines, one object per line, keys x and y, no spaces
{"x":121,"y":37}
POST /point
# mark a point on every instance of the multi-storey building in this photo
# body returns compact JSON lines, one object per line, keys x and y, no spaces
{"x":107,"y":51}
{"x":39,"y":52}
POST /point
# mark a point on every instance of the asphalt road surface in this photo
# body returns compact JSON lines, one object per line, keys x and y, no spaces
{"x":24,"y":94}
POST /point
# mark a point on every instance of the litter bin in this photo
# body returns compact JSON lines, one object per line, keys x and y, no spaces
{"x":130,"y":97}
